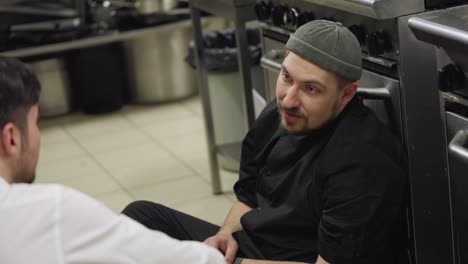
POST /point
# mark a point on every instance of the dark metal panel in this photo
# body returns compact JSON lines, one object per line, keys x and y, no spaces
{"x":426,"y":148}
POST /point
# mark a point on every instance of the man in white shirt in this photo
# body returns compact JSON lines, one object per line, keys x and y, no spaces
{"x":54,"y":224}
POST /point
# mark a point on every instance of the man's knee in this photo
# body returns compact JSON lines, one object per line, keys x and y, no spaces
{"x":140,"y":207}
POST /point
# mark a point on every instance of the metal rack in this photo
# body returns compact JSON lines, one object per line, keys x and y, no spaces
{"x":240,"y":12}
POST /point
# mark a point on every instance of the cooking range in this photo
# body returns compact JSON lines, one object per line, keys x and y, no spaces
{"x":400,"y":82}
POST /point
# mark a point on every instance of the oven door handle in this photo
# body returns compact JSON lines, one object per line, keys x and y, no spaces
{"x":272,"y":60}
{"x":374,"y":93}
{"x":458,"y":147}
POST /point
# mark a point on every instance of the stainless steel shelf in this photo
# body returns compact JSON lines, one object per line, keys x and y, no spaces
{"x":110,"y":37}
{"x":239,"y":11}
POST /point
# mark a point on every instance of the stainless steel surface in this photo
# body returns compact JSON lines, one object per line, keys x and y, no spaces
{"x":382,"y":94}
{"x":240,"y":11}
{"x":205,"y":95}
{"x":458,"y":146}
{"x":25,"y":10}
{"x":51,"y":25}
{"x":444,"y":28}
{"x":457,"y":132}
{"x":381,"y":9}
{"x":450,"y":97}
{"x":274,"y":51}
{"x":146,"y":7}
{"x":425,"y":139}
{"x":55,"y":94}
{"x":111,"y":37}
{"x":156,"y":67}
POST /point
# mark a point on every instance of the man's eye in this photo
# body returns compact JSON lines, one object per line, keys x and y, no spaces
{"x":286,"y":77}
{"x":310,"y":89}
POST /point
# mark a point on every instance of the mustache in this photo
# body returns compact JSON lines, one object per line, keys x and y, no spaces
{"x":292,"y":110}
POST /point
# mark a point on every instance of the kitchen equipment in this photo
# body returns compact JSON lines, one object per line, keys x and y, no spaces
{"x":155,"y":64}
{"x":55,"y":96}
{"x":33,"y":10}
{"x":446,"y":30}
{"x":98,"y":78}
{"x":147,"y":7}
{"x":29,"y":23}
{"x":385,"y":9}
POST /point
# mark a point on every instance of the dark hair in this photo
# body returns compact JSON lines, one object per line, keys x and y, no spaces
{"x":19,"y":91}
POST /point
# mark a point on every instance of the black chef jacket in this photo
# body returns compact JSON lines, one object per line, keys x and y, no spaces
{"x":335,"y":192}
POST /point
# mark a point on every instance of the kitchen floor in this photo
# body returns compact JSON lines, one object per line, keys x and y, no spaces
{"x":150,"y":152}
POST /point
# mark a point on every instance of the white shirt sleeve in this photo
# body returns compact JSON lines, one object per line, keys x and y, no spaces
{"x":92,"y":233}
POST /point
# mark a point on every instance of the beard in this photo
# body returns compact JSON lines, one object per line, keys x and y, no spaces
{"x":25,"y":174}
{"x":293,"y":129}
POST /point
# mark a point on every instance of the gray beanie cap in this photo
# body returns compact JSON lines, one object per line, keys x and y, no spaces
{"x":330,"y":46}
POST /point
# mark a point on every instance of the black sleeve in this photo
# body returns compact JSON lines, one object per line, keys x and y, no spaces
{"x":263,"y":128}
{"x":361,"y":204}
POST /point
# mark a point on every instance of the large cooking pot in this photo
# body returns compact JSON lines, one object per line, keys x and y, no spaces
{"x":155,"y":63}
{"x":146,"y":7}
{"x":56,"y":93}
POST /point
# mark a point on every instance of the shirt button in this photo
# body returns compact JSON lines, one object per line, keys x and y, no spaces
{"x":259,"y":208}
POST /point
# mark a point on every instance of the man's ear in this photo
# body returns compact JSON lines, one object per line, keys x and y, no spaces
{"x":348,"y":93}
{"x":10,"y":139}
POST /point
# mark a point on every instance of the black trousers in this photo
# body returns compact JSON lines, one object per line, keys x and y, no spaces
{"x":183,"y":226}
{"x":174,"y":223}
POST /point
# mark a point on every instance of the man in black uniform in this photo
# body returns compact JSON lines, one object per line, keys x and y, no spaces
{"x":321,"y":179}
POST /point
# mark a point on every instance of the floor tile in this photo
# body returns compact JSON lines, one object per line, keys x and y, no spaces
{"x":53,"y":134}
{"x":162,"y":114}
{"x":114,"y":141}
{"x":227,"y":178}
{"x":189,"y":147}
{"x":101,"y":125}
{"x":173,"y":192}
{"x":116,"y":200}
{"x":81,"y":173}
{"x":213,"y":209}
{"x":194,"y":105}
{"x":142,"y":165}
{"x":231,"y":196}
{"x":59,"y":151}
{"x":201,"y":165}
{"x":174,"y":128}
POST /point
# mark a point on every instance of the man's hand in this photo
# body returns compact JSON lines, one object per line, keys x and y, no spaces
{"x":226,"y":244}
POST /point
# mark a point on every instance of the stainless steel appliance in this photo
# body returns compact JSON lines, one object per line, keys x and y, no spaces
{"x":446,"y":29}
{"x":156,"y":67}
{"x":400,"y":84}
{"x":384,"y":9}
{"x":29,"y":23}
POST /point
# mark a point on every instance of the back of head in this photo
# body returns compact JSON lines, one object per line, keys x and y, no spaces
{"x":330,"y":46}
{"x":19,"y":90}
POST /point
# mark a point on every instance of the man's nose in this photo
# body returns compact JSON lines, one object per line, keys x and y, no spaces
{"x":291,"y":98}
